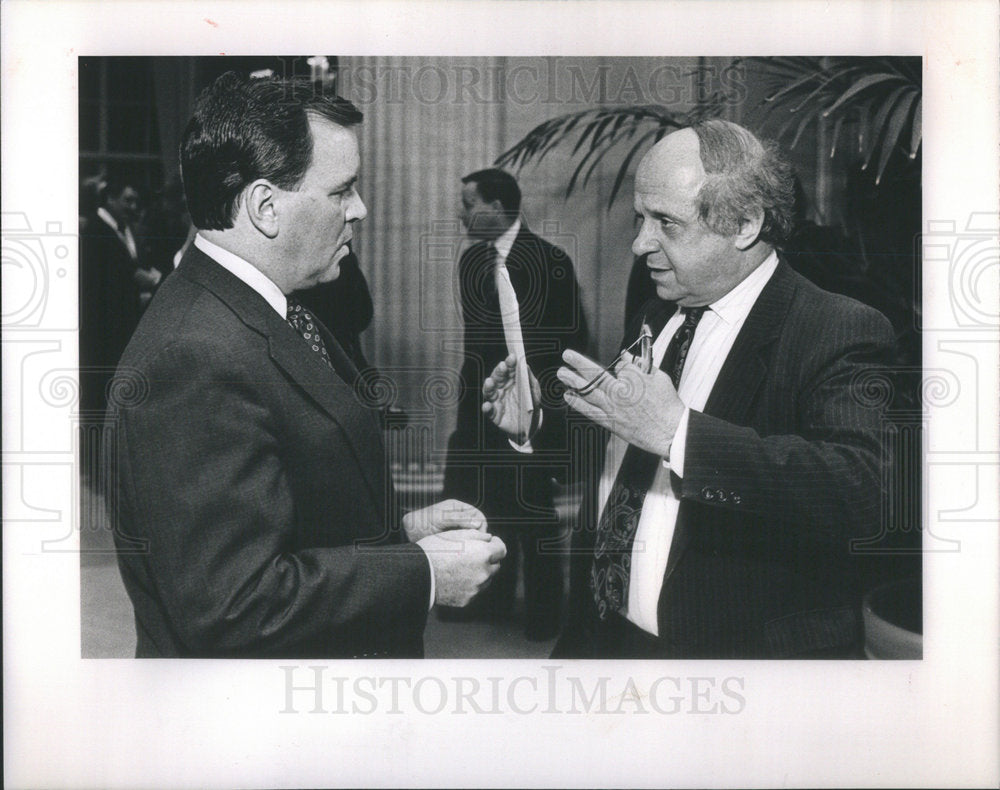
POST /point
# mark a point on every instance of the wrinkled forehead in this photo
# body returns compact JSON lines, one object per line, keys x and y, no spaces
{"x":668,"y":185}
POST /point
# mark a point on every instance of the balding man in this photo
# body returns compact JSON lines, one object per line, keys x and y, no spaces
{"x":740,"y":464}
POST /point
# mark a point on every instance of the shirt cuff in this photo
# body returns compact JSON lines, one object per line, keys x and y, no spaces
{"x":526,"y":448}
{"x":430,"y":565}
{"x":675,"y":462}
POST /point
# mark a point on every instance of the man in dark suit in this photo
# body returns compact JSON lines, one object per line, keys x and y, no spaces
{"x":253,"y":513}
{"x":112,"y":283}
{"x":742,"y":459}
{"x":519,"y":295}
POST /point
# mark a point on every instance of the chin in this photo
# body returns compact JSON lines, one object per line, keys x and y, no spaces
{"x":667,"y":294}
{"x":331,"y":274}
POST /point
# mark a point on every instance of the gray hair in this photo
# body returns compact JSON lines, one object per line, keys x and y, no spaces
{"x":744,"y":176}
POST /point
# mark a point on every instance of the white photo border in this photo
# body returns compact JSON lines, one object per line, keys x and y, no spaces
{"x":125,"y":723}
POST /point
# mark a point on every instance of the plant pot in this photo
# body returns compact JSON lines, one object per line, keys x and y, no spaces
{"x":893,"y":621}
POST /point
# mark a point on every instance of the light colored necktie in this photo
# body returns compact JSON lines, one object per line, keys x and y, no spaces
{"x":510,"y":316}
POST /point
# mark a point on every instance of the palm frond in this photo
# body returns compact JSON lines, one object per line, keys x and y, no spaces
{"x":600,"y":131}
{"x":893,"y":132}
{"x":872,"y":99}
{"x":915,"y":135}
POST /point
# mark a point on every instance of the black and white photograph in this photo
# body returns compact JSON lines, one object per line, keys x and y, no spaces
{"x":446,"y":392}
{"x":268,"y":507}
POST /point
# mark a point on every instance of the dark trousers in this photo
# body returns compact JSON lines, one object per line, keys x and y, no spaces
{"x":517,"y":503}
{"x":536,"y":548}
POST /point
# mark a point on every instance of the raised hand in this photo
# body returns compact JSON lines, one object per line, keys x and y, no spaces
{"x":502,"y":404}
{"x":641,"y":408}
{"x":464,"y":561}
{"x":449,"y":514}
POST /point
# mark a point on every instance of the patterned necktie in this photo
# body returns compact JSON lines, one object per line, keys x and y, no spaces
{"x":609,"y":575}
{"x":303,"y":322}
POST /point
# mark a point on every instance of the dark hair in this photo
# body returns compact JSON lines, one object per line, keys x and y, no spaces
{"x":115,"y":183}
{"x":242,"y":130}
{"x":91,"y":194}
{"x":744,"y":175}
{"x":493,"y":184}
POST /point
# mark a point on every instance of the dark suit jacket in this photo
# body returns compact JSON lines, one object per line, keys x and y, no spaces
{"x":782,"y":470}
{"x":552,"y":320}
{"x":254,"y":515}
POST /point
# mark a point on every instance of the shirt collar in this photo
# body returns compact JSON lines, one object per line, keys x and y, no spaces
{"x":246,"y":272}
{"x":736,"y":305}
{"x":506,"y":240}
{"x":104,"y":214}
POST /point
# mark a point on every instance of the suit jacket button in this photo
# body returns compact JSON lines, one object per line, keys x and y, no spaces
{"x":706,"y":493}
{"x":721,"y":495}
{"x":737,"y":500}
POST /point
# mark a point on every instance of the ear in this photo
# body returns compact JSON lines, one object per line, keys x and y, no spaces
{"x":260,"y":207}
{"x":749,"y":230}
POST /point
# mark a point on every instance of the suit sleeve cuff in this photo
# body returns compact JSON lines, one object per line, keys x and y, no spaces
{"x":676,"y":460}
{"x":430,"y":567}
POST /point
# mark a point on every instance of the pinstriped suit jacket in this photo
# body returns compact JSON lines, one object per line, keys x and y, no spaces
{"x":782,"y":470}
{"x":254,"y":517}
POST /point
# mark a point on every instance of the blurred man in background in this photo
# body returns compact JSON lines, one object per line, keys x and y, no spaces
{"x":519,"y":295}
{"x":115,"y":285}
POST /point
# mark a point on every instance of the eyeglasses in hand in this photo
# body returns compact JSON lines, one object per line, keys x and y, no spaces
{"x":641,"y":352}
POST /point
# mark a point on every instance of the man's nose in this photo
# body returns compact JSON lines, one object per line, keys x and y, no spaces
{"x":643,"y":244}
{"x":356,"y":210}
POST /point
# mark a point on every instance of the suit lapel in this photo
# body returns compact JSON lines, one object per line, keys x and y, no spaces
{"x":746,"y":366}
{"x":335,"y":396}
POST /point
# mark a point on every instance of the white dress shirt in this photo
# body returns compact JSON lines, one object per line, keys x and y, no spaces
{"x":505,"y":241}
{"x":712,"y":341}
{"x":265,"y":286}
{"x":246,"y":272}
{"x":125,"y":236}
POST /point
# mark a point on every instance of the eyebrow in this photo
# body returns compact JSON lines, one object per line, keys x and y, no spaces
{"x":662,"y":215}
{"x":346,"y":185}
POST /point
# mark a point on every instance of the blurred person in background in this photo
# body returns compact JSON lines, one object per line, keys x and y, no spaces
{"x":519,"y":296}
{"x":114,"y":285}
